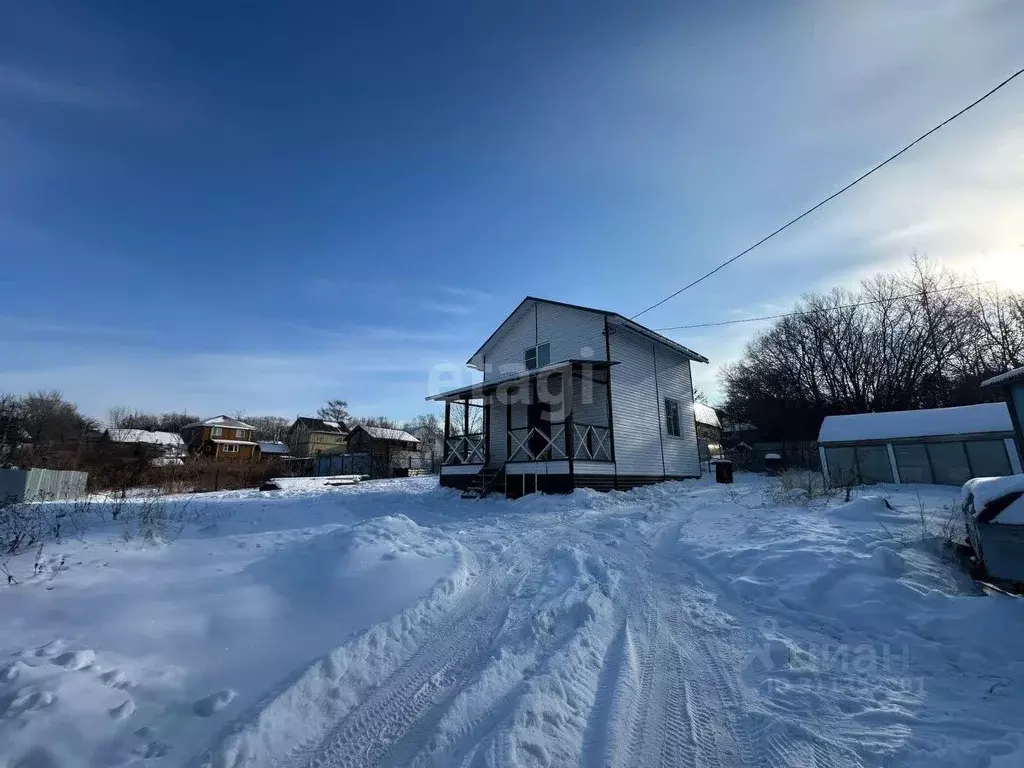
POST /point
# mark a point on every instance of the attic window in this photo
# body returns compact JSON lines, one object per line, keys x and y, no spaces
{"x":538,"y":357}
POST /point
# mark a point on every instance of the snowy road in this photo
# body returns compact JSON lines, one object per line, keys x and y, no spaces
{"x":395,"y":624}
{"x":676,"y":626}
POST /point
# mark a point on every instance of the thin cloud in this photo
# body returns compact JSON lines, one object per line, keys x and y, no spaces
{"x":447,"y":308}
{"x":20,"y":84}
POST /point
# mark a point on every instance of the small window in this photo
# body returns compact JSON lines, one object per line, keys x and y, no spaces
{"x":538,"y":357}
{"x":217,"y":431}
{"x":672,"y":417}
{"x":229,"y":449}
{"x":240,"y":434}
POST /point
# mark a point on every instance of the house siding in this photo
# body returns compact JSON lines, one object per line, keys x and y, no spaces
{"x":681,"y":453}
{"x":572,"y":334}
{"x":641,"y":445}
{"x":499,"y":430}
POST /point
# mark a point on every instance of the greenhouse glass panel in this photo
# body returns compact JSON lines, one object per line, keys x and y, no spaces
{"x":912,"y":463}
{"x":873,"y":462}
{"x":988,"y":458}
{"x":949,"y":463}
{"x":842,"y":466}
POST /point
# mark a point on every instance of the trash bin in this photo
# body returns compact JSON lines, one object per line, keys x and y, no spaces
{"x":723,"y":471}
{"x":773,"y":463}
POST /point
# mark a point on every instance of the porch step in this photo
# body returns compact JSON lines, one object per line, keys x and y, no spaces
{"x":485,"y":482}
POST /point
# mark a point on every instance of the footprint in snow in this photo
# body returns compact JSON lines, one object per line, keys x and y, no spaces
{"x":50,"y":649}
{"x":215,"y":702}
{"x":114,"y":678}
{"x":73,"y":660}
{"x":123,"y":710}
{"x":10,"y":673}
{"x":29,"y":701}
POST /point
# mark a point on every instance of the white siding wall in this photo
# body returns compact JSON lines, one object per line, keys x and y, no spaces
{"x":572,"y":333}
{"x":641,"y":447}
{"x":499,"y":445}
{"x":681,"y":456}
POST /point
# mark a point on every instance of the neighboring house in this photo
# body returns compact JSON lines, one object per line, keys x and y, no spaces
{"x":310,"y":436}
{"x":572,"y":397}
{"x":389,"y":448}
{"x":946,"y":446}
{"x":735,"y":432}
{"x":220,"y":437}
{"x":161,"y":448}
{"x":1010,"y":386}
{"x":272,"y":449}
{"x":709,"y":431}
{"x":431,"y":442}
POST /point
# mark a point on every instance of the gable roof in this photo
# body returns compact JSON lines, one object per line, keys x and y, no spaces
{"x":273,"y":446}
{"x":706,"y":415}
{"x":1003,"y":379}
{"x":220,"y":421}
{"x":168,"y":439}
{"x":320,"y":425}
{"x":386,"y":433}
{"x":931,"y":422}
{"x":620,"y":321}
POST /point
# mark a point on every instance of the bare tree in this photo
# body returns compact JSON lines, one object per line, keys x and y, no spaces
{"x":335,"y":410}
{"x":268,"y":427}
{"x":372,"y":421}
{"x":915,"y":339}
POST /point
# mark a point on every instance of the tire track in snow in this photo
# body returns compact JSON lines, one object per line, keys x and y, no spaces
{"x":608,"y":727}
{"x":365,"y":736}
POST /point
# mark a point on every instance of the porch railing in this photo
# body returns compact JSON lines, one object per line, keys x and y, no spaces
{"x":536,"y":444}
{"x":591,"y":442}
{"x":465,"y":449}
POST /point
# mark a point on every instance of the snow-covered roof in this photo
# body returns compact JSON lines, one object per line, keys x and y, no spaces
{"x":167,"y":461}
{"x":220,"y":421}
{"x":1010,"y":377}
{"x":934,"y":422}
{"x":169,"y":439}
{"x":385,"y":433}
{"x":233,"y":442}
{"x":319,"y":425}
{"x":273,"y":446}
{"x":984,"y":491}
{"x":706,"y":415}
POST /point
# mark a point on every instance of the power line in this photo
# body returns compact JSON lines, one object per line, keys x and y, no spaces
{"x":823,"y":309}
{"x":831,"y":197}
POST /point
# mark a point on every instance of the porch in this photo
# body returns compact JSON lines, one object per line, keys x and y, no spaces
{"x":546,"y":426}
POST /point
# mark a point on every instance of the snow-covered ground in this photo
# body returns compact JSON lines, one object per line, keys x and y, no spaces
{"x":393,"y":623}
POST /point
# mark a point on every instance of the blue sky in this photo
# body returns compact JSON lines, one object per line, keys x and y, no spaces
{"x":215,"y":209}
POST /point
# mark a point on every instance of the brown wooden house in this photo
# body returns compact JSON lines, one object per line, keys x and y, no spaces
{"x":389,"y":448}
{"x":309,"y":436}
{"x":221,"y":437}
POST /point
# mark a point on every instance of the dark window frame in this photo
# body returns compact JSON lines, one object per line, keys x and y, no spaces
{"x":673,"y":424}
{"x":536,"y":354}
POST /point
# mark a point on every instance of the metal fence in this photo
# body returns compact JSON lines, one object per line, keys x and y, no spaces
{"x":344,"y":464}
{"x":41,"y":484}
{"x":795,"y":455}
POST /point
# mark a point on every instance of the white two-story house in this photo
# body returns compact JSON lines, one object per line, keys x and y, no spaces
{"x":571,"y":397}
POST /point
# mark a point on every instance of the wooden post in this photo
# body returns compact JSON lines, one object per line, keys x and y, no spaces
{"x":568,"y":399}
{"x":447,"y":430}
{"x":608,"y":391}
{"x":487,"y":431}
